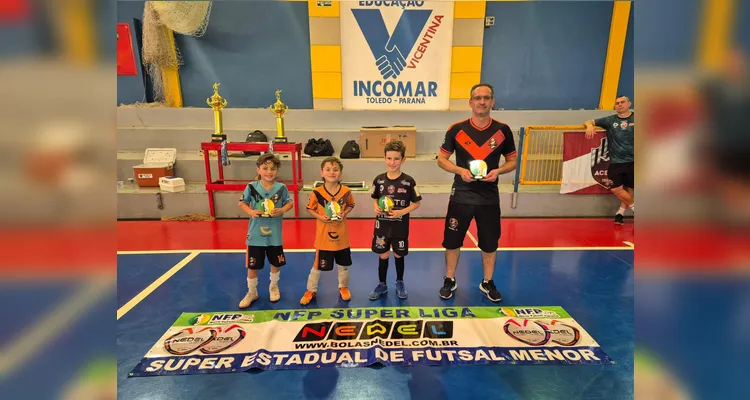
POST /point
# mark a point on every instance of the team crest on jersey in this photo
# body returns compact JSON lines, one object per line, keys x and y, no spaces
{"x":624,"y":125}
{"x":493,"y":144}
{"x":275,"y":197}
{"x":600,"y":164}
{"x":391,"y":189}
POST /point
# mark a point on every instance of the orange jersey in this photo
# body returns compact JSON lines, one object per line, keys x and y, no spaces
{"x":331,"y":235}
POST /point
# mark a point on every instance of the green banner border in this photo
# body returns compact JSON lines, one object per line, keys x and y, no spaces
{"x":342,"y":314}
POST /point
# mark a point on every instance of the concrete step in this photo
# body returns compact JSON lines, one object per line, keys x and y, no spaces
{"x":431,"y":188}
{"x":185,"y":128}
{"x":137,"y":202}
{"x":532,"y":201}
{"x":249,"y":119}
{"x":190,"y":139}
{"x":190,"y":166}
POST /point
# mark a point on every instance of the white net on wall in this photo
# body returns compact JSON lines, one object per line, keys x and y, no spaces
{"x":160,"y":20}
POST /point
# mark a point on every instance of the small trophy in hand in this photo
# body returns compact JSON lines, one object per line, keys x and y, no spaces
{"x":332,"y":211}
{"x":478,"y":169}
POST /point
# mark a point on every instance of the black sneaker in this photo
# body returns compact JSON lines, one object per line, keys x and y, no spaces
{"x":449,"y":285}
{"x":489,"y":288}
{"x":619,"y":220}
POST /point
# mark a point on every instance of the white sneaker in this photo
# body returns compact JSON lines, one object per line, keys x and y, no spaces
{"x":248,"y":299}
{"x":273,"y":290}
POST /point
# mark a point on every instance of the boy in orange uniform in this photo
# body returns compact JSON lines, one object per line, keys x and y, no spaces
{"x":330,"y":204}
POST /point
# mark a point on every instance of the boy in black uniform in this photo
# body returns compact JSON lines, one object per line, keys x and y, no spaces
{"x":477,"y":138}
{"x":392,"y":227}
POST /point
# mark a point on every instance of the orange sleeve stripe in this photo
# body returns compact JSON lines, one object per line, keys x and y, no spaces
{"x":510,"y":154}
{"x":446,"y":152}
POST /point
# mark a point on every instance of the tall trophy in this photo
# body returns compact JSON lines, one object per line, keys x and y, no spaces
{"x":279,"y":109}
{"x":217,"y":103}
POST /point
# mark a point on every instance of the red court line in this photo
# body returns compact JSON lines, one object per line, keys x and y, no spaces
{"x":425,"y":233}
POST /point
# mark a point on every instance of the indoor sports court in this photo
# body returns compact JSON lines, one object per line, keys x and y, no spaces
{"x":467,"y":91}
{"x":584,"y":265}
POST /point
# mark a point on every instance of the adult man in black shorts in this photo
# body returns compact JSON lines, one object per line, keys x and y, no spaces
{"x":477,"y":138}
{"x":620,"y":129}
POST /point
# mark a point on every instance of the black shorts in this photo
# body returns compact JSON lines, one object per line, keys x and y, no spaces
{"x":621,"y":174}
{"x":381,"y":244}
{"x":458,"y":219}
{"x":324,"y":258}
{"x":733,"y":164}
{"x":255,"y":256}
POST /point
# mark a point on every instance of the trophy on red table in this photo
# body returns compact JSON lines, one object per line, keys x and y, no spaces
{"x":279,"y":109}
{"x":217,"y":103}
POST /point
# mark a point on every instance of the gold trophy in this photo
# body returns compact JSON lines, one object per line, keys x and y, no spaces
{"x":217,"y":103}
{"x":279,"y":109}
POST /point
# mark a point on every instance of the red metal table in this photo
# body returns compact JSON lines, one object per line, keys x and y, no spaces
{"x":294,"y":186}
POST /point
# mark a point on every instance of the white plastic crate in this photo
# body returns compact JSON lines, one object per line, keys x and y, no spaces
{"x":172,"y":184}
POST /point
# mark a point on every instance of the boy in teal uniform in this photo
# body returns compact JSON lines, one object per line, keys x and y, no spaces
{"x":266,"y":201}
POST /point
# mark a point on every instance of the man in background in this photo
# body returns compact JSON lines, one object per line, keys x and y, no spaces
{"x":619,"y":129}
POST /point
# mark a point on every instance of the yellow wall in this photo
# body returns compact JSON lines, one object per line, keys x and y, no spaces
{"x":466,"y":55}
{"x":325,"y":55}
